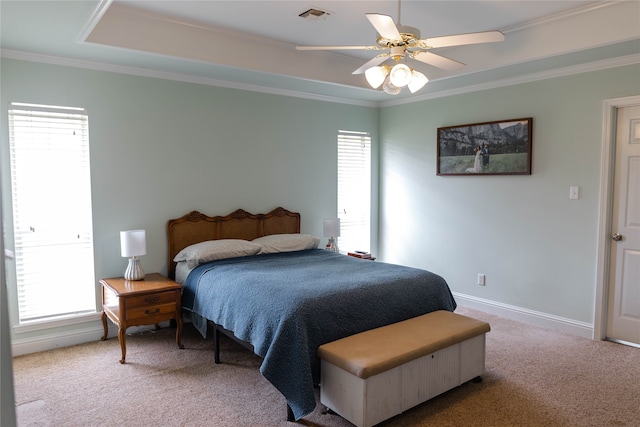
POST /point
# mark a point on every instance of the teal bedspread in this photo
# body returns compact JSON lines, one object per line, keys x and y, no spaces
{"x":288,"y":304}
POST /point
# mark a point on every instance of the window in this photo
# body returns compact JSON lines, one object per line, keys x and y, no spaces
{"x":354,"y":190}
{"x":51,"y":198}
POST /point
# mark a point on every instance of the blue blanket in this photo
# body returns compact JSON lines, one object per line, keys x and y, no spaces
{"x":288,"y":304}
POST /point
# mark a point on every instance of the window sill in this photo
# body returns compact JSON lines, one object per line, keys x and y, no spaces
{"x":38,"y":325}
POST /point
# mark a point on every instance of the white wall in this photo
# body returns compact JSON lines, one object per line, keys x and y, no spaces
{"x":537,"y":248}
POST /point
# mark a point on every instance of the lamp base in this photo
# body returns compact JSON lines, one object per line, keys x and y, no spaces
{"x":332,"y":246}
{"x":134,"y":270}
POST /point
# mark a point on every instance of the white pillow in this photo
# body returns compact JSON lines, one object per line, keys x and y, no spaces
{"x":212,"y":250}
{"x":286,"y":243}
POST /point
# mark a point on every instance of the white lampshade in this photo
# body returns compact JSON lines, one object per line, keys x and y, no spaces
{"x":376,"y":75}
{"x":332,"y":227}
{"x":332,"y":230}
{"x":400,"y":75}
{"x":133,"y":243}
{"x":418,"y":80}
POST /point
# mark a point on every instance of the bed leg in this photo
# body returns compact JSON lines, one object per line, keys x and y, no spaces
{"x":216,"y":345}
{"x":290,"y":416}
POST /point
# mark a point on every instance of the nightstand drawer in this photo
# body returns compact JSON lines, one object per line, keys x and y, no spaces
{"x":151,"y":300}
{"x":152,"y":310}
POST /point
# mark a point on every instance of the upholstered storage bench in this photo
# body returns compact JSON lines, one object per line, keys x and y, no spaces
{"x":374,"y":375}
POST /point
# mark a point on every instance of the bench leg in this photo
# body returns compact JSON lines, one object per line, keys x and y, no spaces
{"x":329,"y":411}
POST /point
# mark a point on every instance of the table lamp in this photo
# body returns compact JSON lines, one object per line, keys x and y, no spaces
{"x":133,"y":243}
{"x":332,"y":230}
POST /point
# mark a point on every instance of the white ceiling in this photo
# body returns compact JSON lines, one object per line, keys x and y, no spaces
{"x":251,"y":44}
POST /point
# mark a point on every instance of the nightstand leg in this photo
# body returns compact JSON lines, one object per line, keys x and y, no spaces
{"x":122,"y":336}
{"x":179,"y":332}
{"x":104,"y":326}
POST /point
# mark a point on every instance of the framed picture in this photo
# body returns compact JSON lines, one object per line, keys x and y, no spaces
{"x":492,"y":148}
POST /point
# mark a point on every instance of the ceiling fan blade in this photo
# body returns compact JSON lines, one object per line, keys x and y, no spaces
{"x":462,"y":39}
{"x":372,"y":63}
{"x":384,"y":25}
{"x":438,"y":61}
{"x":337,"y":48}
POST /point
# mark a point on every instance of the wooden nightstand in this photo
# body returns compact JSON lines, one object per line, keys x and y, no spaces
{"x":140,"y":302}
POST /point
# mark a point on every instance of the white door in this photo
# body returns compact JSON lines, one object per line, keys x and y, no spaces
{"x":623,"y":310}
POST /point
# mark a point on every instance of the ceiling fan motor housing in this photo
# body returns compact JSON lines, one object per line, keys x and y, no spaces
{"x":410,"y":37}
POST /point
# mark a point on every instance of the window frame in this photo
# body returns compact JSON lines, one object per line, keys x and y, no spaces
{"x":64,"y":132}
{"x":354,"y":177}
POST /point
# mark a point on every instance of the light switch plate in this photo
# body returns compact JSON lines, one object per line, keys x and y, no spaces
{"x":574,"y":193}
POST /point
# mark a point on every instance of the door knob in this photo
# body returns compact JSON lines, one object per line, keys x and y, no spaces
{"x":617,"y":237}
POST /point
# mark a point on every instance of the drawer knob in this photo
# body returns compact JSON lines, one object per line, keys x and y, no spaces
{"x":152,"y":300}
{"x":149,"y":312}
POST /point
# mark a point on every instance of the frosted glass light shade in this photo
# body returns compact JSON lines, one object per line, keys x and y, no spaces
{"x":418,"y":80}
{"x":376,"y":75}
{"x":332,"y":227}
{"x":388,"y":87}
{"x":133,"y":243}
{"x":400,"y":75}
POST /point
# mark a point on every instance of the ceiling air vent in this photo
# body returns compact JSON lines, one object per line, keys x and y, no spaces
{"x":313,"y":14}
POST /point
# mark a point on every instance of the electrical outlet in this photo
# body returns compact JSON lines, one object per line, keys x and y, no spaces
{"x":481,"y":279}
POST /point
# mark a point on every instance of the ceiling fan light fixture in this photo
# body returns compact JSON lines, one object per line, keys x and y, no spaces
{"x":389,"y":87}
{"x":400,"y":75}
{"x":376,"y":75}
{"x":418,"y":80}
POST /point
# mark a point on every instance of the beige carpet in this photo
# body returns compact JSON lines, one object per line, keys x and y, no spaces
{"x":534,"y":377}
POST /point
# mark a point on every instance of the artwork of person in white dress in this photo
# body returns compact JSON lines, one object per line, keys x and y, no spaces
{"x":485,"y":158}
{"x":477,"y":163}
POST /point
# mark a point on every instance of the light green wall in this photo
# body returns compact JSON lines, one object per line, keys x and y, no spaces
{"x":536,"y":247}
{"x":160,"y":149}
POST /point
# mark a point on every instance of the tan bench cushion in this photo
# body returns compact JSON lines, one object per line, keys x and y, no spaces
{"x":377,"y":350}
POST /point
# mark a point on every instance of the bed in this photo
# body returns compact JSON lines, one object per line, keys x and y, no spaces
{"x":286,"y":299}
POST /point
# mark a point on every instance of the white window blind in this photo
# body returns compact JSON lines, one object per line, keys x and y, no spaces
{"x":52,"y":223}
{"x":354,"y":191}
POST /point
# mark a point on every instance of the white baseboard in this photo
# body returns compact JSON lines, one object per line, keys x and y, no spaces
{"x":24,"y":346}
{"x":531,"y":317}
{"x":93,"y":333}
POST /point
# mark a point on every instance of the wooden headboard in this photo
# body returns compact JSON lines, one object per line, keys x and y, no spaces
{"x":196,"y":227}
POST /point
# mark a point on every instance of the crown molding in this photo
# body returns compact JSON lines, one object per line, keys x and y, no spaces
{"x":561,"y":15}
{"x":527,"y":78}
{"x":143,"y":72}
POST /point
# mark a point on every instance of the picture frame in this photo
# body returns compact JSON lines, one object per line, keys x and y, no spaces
{"x":505,"y":148}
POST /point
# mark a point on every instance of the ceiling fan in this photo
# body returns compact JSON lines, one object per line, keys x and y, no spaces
{"x":401,"y":42}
